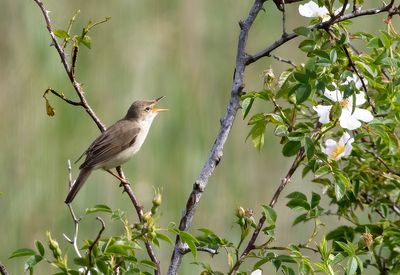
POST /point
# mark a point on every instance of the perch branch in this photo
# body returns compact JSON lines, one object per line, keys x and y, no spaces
{"x":78,"y":88}
{"x":224,"y":130}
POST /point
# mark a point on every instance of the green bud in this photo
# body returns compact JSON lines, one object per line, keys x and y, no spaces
{"x":269,"y":78}
{"x":240,"y":212}
{"x":157,"y":199}
{"x":147,"y":216}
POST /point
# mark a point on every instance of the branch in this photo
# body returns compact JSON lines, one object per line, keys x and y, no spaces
{"x":62,"y":96}
{"x":251,"y":244}
{"x":78,"y":88}
{"x":185,"y":249}
{"x":68,"y":68}
{"x":3,"y":270}
{"x":224,"y":130}
{"x":76,"y":220}
{"x":103,"y":226}
{"x":323,"y":25}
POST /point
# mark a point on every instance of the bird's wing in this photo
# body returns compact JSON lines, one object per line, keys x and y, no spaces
{"x":114,"y":140}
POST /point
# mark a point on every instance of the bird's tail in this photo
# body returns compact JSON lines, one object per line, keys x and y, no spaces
{"x":83,"y":175}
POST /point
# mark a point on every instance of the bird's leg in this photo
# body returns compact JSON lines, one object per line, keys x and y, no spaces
{"x":118,"y":177}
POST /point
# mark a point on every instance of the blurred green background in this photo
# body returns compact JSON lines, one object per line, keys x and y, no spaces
{"x":184,"y":50}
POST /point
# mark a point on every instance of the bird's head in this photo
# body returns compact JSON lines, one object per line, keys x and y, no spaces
{"x":144,"y":110}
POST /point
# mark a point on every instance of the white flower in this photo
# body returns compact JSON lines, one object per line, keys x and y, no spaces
{"x":336,"y":150}
{"x":356,"y":80}
{"x":349,"y":119}
{"x":256,"y":272}
{"x":311,"y":9}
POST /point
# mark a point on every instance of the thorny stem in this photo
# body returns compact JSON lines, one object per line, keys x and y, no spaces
{"x":78,"y":88}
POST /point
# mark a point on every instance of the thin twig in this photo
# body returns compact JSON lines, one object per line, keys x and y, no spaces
{"x":3,"y":270}
{"x":284,"y":33}
{"x":76,"y":220}
{"x":251,"y":244}
{"x":287,"y":61}
{"x":218,"y":146}
{"x":353,"y":66}
{"x":90,"y":249}
{"x":323,"y":25}
{"x":62,"y":96}
{"x":186,"y":249}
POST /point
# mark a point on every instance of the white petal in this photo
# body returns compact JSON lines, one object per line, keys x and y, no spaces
{"x":323,"y":113}
{"x":363,"y":115}
{"x":344,"y":138}
{"x":335,"y":95}
{"x":330,"y":146}
{"x":360,"y":98}
{"x":347,"y":121}
{"x":256,"y":272}
{"x":308,"y":9}
{"x":348,"y":147}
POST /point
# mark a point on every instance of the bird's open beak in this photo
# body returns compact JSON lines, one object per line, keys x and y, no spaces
{"x":156,"y":110}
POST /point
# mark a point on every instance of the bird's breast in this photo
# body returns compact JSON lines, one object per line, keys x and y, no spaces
{"x":128,"y":153}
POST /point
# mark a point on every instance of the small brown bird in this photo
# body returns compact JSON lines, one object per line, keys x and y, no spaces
{"x":118,"y":143}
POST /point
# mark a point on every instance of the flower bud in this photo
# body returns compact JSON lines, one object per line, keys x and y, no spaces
{"x":147,"y":216}
{"x":240,"y":212}
{"x":157,"y":199}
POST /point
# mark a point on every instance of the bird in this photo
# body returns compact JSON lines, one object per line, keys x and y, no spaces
{"x":117,"y":144}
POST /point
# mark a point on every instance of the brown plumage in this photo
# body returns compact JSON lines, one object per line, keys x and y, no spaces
{"x":118,"y":143}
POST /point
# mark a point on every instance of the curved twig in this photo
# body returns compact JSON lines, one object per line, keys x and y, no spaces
{"x":90,"y":249}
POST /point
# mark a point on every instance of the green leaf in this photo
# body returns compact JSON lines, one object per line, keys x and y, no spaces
{"x":257,"y":134}
{"x":61,"y":34}
{"x":86,"y":40}
{"x":333,"y":55}
{"x":246,"y":106}
{"x":270,"y":214}
{"x":281,"y":131}
{"x":307,"y":45}
{"x":351,"y":266}
{"x":297,"y":195}
{"x":291,"y":148}
{"x":341,"y":182}
{"x":190,"y":240}
{"x":98,"y":208}
{"x":304,"y":31}
{"x":39,"y":247}
{"x":148,"y":264}
{"x":298,"y":204}
{"x":301,"y":218}
{"x":315,"y":199}
{"x":309,"y":147}
{"x":302,"y":93}
{"x":32,"y":261}
{"x":322,"y":171}
{"x":163,"y":237}
{"x":22,"y":253}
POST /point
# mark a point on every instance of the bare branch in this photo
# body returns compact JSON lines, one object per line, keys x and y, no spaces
{"x":185,"y":249}
{"x":284,"y":60}
{"x":3,"y":270}
{"x":62,"y":96}
{"x":217,"y":149}
{"x":323,"y":25}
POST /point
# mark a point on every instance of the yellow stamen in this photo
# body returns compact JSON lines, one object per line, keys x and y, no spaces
{"x":344,"y":103}
{"x":338,"y":150}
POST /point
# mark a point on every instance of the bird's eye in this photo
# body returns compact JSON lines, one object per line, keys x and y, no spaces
{"x":147,"y":109}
